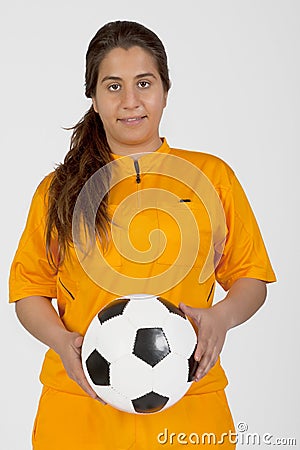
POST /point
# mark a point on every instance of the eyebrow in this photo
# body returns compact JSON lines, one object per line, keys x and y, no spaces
{"x":141,"y":75}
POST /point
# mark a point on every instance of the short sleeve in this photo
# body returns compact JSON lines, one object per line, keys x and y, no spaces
{"x":31,"y":273}
{"x":244,"y":254}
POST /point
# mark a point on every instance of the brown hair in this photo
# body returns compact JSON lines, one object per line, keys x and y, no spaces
{"x":89,"y":150}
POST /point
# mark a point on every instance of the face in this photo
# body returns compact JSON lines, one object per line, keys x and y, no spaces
{"x":130,"y":99}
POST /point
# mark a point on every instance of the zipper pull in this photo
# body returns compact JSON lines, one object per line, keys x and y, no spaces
{"x":137,"y":169}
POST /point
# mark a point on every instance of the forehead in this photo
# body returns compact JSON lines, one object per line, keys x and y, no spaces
{"x":132,"y":61}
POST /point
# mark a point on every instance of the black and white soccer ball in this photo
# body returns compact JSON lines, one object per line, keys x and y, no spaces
{"x":138,"y":354}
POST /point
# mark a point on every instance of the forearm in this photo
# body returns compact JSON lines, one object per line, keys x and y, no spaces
{"x":40,"y":319}
{"x":243,"y":299}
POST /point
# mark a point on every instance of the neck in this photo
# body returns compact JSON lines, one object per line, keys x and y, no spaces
{"x":130,"y":149}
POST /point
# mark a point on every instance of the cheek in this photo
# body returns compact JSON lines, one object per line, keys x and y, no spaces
{"x":106,"y":111}
{"x":157,"y":105}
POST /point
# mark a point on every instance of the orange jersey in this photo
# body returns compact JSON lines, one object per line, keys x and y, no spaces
{"x":180,"y":223}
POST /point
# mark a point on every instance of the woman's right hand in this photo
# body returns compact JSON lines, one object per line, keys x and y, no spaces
{"x":38,"y":316}
{"x":70,"y":354}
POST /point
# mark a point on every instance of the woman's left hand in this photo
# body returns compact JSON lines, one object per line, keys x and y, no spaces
{"x":212,"y":331}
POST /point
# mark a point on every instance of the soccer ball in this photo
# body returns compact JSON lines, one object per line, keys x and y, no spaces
{"x":138,"y":354}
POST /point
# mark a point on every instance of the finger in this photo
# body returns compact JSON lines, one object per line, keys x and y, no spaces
{"x":83,"y":383}
{"x":200,"y":373}
{"x":88,"y":389}
{"x":200,"y":349}
{"x":101,"y":401}
{"x":207,"y":362}
{"x":80,"y":378}
{"x":210,"y":365}
{"x":203,"y":363}
{"x":204,"y":341}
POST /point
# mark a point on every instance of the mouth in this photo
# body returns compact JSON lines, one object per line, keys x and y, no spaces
{"x":132,"y":120}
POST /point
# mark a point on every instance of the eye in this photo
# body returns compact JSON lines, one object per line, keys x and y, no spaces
{"x":143,"y":84}
{"x":114,"y":87}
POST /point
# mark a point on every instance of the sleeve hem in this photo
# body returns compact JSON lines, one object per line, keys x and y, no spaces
{"x":263,"y":276}
{"x":18,"y":295}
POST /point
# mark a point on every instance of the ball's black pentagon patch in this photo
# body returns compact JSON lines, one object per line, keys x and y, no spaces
{"x":98,"y":369}
{"x":171,"y":307}
{"x":113,"y":309}
{"x":193,"y":365}
{"x":151,"y":345}
{"x":149,"y":403}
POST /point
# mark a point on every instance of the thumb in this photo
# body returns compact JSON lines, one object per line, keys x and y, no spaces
{"x":186,"y":309}
{"x":194,"y":314}
{"x":78,"y":341}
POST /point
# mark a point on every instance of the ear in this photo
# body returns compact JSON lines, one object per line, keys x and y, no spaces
{"x":95,"y":105}
{"x":165,"y":99}
{"x":166,"y":93}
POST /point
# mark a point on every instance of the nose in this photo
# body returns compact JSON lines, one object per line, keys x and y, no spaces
{"x":130,"y":98}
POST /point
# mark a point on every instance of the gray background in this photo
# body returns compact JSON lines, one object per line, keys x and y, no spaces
{"x":234,"y":65}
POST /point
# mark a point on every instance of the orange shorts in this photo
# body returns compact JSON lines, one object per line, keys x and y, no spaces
{"x":72,"y":422}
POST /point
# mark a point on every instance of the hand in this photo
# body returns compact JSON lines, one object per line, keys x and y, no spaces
{"x":71,"y":359}
{"x":212,"y":331}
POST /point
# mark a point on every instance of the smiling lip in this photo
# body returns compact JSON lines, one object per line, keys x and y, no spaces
{"x":132,"y":120}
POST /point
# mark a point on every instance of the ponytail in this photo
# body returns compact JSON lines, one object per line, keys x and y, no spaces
{"x":89,"y":151}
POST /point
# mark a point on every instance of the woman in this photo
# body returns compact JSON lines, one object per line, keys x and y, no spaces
{"x":141,"y":186}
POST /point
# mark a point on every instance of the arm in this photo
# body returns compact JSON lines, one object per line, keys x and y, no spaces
{"x":243,"y":299}
{"x":39,"y":317}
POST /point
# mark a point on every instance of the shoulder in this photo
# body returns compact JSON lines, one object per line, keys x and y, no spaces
{"x":43,"y":186}
{"x":215,"y":168}
{"x":40,"y":196}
